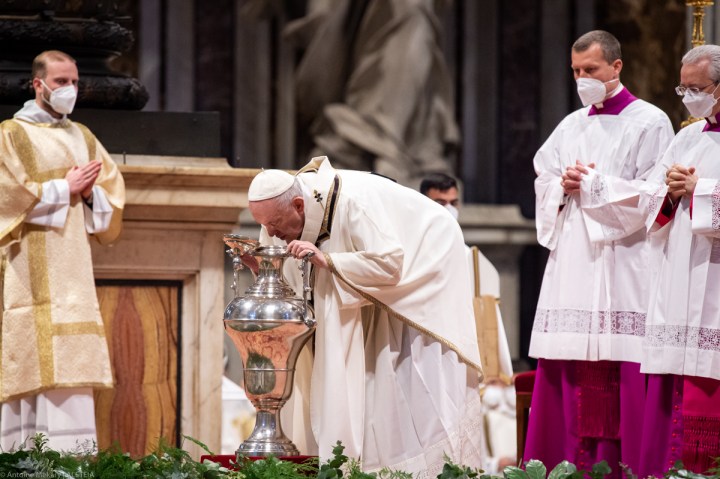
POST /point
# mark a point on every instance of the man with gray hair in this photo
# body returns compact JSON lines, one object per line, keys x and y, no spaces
{"x":587,"y":402}
{"x":681,"y":353}
{"x":396,"y":365}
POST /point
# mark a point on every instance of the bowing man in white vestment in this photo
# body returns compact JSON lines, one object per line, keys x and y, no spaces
{"x":497,"y":390}
{"x":59,"y":186}
{"x":681,"y":353}
{"x":589,"y":325}
{"x":396,"y":365}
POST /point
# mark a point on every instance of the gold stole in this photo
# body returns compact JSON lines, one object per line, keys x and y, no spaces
{"x":486,"y":322}
{"x":391,"y":312}
{"x":113,"y":231}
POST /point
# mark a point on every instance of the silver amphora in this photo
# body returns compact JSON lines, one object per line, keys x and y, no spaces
{"x":269,"y":325}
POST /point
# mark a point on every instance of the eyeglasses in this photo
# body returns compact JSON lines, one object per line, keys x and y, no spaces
{"x":682,"y":90}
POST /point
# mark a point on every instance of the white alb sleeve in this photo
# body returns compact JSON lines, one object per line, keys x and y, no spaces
{"x":53,"y":207}
{"x":98,"y":219}
{"x":706,"y":207}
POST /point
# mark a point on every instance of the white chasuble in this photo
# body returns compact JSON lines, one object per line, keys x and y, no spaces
{"x":396,"y":368}
{"x":683,"y":326}
{"x":593,"y":299}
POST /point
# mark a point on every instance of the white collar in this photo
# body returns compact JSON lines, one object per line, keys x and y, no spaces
{"x":32,"y":113}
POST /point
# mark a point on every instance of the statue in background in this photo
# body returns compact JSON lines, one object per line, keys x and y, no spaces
{"x":373,"y":91}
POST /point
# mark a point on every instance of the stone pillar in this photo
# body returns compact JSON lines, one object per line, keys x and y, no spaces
{"x":90,"y":31}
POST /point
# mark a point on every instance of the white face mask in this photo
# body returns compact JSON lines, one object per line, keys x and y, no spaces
{"x":453,"y":211}
{"x":700,"y":105}
{"x":591,"y":91}
{"x":62,"y":99}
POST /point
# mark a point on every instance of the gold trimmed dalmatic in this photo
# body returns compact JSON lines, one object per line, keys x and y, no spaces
{"x":52,"y":331}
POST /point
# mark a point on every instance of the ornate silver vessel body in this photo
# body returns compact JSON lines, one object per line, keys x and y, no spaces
{"x":269,"y":325}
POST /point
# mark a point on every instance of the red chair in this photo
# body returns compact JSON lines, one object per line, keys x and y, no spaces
{"x":524,"y":383}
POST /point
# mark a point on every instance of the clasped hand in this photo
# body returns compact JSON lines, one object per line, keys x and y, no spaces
{"x":573,"y":176}
{"x":82,"y":178}
{"x":681,"y":181}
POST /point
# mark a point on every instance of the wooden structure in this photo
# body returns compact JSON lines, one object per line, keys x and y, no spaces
{"x":161,"y":294}
{"x":524,"y":383}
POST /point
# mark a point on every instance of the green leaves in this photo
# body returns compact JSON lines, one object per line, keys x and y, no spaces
{"x":514,"y":472}
{"x":565,"y":470}
{"x":600,"y":470}
{"x":333,"y":468}
{"x":273,"y":468}
{"x":678,"y":471}
{"x":169,"y":462}
{"x":455,"y":471}
{"x":536,"y":469}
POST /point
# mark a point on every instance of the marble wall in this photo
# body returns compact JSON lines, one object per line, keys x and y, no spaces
{"x":176,"y":213}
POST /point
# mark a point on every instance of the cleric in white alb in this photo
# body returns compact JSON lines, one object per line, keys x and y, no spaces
{"x":681,"y":353}
{"x":590,"y":321}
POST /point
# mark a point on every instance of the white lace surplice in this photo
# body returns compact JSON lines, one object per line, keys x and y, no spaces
{"x":683,"y":325}
{"x":593,"y":300}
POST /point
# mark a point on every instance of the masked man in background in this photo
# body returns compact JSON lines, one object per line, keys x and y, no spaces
{"x":498,"y":392}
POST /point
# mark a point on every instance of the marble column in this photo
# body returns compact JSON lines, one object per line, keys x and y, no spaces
{"x":519,"y":92}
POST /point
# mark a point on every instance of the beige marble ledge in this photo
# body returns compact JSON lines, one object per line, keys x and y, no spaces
{"x":163,"y":160}
{"x":183,"y":189}
{"x":221,"y":227}
{"x":496,"y":224}
{"x":490,"y":216}
{"x":503,"y":237}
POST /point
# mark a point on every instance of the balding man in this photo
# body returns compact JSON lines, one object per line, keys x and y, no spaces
{"x":59,"y":187}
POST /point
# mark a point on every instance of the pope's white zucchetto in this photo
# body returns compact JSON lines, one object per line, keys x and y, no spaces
{"x":269,"y":184}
